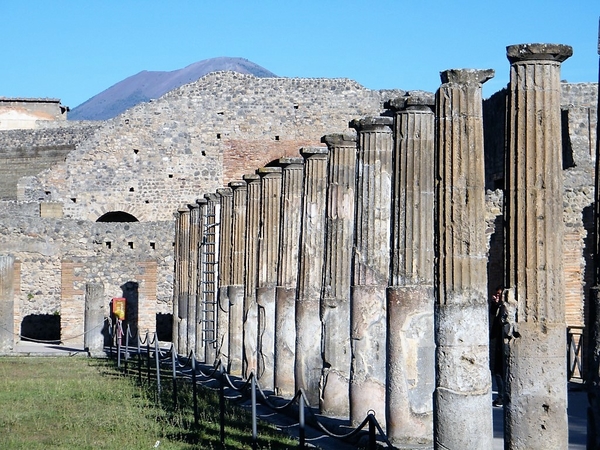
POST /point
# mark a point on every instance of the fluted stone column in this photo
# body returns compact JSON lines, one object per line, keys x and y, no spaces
{"x":410,"y":344}
{"x":250,"y":306}
{"x":371,"y":267}
{"x":195,"y":299}
{"x":287,"y":274}
{"x":183,"y":244}
{"x":7,"y":305}
{"x":238,"y":264}
{"x":335,"y":302}
{"x":268,"y":256}
{"x":93,"y":339}
{"x":593,"y":323}
{"x":225,"y":220}
{"x":209,"y":273}
{"x":536,"y":387}
{"x":463,"y":414}
{"x":309,"y":364}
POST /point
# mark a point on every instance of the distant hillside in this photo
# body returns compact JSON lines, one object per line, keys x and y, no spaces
{"x":147,"y":85}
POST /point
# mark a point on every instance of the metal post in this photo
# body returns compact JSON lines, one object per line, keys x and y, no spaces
{"x":157,"y":363}
{"x":372,"y":436}
{"x":222,"y":404}
{"x":119,"y":330}
{"x":148,"y":356}
{"x":301,"y":431}
{"x":139,"y":358}
{"x":253,"y":395}
{"x":194,"y":389}
{"x":174,"y":372}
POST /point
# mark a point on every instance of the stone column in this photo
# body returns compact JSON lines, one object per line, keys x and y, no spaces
{"x":536,"y":386}
{"x":371,"y":267}
{"x":250,"y":363}
{"x":593,"y":323}
{"x":183,"y":284}
{"x":209,"y":273}
{"x":463,"y":413}
{"x":410,"y":344}
{"x":268,"y":256}
{"x":93,"y":339}
{"x":287,"y":275}
{"x":335,"y":302}
{"x":309,"y":363}
{"x":176,"y":281}
{"x":194,"y":303}
{"x":238,"y":264}
{"x":7,"y":303}
{"x":225,"y":220}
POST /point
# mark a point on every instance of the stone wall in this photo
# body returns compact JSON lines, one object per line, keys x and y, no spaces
{"x":26,"y":113}
{"x":28,"y":152}
{"x":196,"y":139}
{"x":58,"y":257}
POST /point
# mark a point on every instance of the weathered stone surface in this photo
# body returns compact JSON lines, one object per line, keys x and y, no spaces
{"x":194,"y":313}
{"x":337,"y":273}
{"x":536,"y":395}
{"x":7,"y":263}
{"x":225,"y":221}
{"x":410,"y":343}
{"x":236,"y":289}
{"x":253,"y":205}
{"x":371,"y":267}
{"x":309,"y":363}
{"x":462,"y":414}
{"x":182,"y":261}
{"x":268,"y":257}
{"x":208,"y":275}
{"x":287,"y":274}
{"x":95,"y":313}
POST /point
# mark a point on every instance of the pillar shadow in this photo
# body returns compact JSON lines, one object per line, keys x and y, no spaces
{"x":131,"y":296}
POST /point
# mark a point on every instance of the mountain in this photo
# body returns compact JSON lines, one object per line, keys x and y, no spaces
{"x":148,"y":85}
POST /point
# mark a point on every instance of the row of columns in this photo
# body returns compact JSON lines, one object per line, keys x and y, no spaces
{"x":357,"y":272}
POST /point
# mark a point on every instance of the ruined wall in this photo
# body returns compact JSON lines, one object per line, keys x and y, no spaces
{"x":25,"y":113}
{"x":196,"y":139}
{"x":58,"y":257}
{"x":28,"y":152}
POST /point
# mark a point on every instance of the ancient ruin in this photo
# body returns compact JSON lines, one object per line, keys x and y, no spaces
{"x":325,"y":237}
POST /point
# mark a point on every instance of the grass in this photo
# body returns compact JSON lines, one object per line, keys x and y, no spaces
{"x":81,"y":403}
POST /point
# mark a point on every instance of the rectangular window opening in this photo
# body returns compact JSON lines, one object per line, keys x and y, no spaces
{"x":130,"y":245}
{"x":108,"y":244}
{"x":153,"y":245}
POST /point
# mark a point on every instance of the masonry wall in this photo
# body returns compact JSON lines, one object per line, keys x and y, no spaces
{"x":58,"y":257}
{"x":29,"y":152}
{"x":197,"y":138}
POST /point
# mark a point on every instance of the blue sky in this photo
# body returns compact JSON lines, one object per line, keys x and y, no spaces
{"x":74,"y":49}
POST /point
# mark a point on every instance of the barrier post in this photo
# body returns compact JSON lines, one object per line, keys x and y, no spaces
{"x":194,"y":390}
{"x":301,"y":434}
{"x":372,"y":435}
{"x":148,"y":356}
{"x":222,"y":403}
{"x":253,"y":396}
{"x":174,"y":371}
{"x":157,"y":363}
{"x":139,"y":358}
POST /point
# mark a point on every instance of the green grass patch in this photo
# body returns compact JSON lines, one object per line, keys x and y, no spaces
{"x":82,"y":403}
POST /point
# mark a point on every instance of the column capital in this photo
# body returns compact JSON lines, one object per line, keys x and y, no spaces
{"x":466,"y":76}
{"x":417,"y":101}
{"x":212,"y":197}
{"x":269,"y":172}
{"x":308,"y":152}
{"x":251,"y":178}
{"x":225,"y":192}
{"x":379,"y":123}
{"x":339,"y":139}
{"x":289,"y":161}
{"x":538,"y":52}
{"x":237,"y":184}
{"x":201,"y":201}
